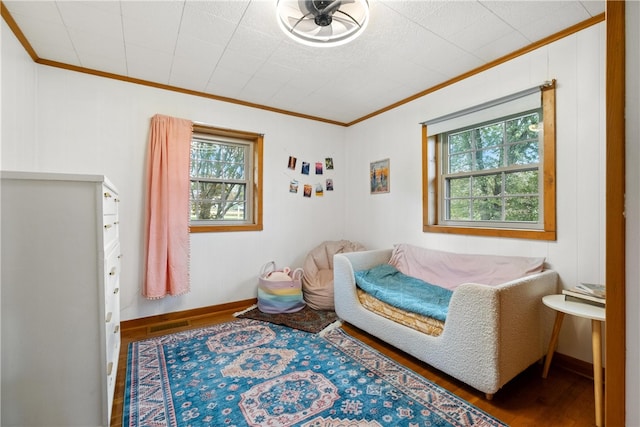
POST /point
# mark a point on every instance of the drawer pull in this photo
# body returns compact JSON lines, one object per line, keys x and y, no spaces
{"x":107,"y":226}
{"x":109,"y":315}
{"x":112,"y":272}
{"x":116,"y":329}
{"x":107,"y":195}
{"x":116,"y":290}
{"x":116,"y":200}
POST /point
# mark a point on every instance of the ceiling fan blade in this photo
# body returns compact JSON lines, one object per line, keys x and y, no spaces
{"x":299,"y":23}
{"x":348,"y":18}
{"x":306,"y":26}
{"x":325,"y":31}
{"x":349,"y":22}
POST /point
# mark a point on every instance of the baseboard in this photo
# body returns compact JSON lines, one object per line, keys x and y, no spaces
{"x":574,"y":365}
{"x":144,"y":322}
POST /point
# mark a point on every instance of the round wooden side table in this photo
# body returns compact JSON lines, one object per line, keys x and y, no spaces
{"x":597,"y":316}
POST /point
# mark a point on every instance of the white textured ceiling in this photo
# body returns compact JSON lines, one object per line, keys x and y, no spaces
{"x":235,"y":49}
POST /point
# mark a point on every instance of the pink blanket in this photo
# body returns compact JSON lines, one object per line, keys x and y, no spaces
{"x":449,"y":270}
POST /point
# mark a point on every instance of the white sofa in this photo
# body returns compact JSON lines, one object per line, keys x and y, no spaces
{"x":491,"y":333}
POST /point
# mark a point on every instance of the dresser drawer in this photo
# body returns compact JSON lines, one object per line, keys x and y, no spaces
{"x":112,"y":273}
{"x":110,"y":229}
{"x":112,"y":326}
{"x":113,"y":342}
{"x":109,"y":201}
{"x":112,"y":372}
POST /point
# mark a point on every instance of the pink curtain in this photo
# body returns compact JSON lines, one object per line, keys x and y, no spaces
{"x":167,"y":210}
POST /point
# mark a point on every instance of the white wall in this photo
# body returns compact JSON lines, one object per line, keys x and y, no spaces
{"x":60,"y":121}
{"x":56,"y":120}
{"x":19,"y":82}
{"x":633,"y":211}
{"x":577,"y":63}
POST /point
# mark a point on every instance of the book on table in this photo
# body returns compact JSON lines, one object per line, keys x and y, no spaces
{"x":592,"y":289}
{"x":586,"y":292}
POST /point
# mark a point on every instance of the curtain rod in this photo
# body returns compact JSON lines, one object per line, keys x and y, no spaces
{"x":488,"y":104}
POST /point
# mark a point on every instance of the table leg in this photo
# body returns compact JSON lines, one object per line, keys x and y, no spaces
{"x":596,"y":341}
{"x":553,"y":343}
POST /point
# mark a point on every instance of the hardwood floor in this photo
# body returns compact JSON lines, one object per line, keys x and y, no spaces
{"x":563,"y":399}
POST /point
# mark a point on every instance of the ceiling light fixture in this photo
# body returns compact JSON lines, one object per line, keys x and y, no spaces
{"x":323,"y":22}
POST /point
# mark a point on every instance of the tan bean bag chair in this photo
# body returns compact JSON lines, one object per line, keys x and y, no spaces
{"x":317,"y":279}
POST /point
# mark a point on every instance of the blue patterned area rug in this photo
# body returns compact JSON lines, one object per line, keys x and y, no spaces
{"x":252,"y":373}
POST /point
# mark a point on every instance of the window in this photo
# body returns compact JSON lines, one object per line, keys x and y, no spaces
{"x":490,"y":173}
{"x":226,"y":180}
{"x":495,"y":177}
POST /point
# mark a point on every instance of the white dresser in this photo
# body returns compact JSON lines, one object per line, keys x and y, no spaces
{"x":60,"y":275}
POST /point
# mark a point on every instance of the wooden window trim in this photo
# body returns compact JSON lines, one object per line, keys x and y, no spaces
{"x":258,"y":141}
{"x":430,"y":207}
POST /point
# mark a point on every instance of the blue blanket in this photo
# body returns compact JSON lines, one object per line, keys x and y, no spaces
{"x":387,"y":284}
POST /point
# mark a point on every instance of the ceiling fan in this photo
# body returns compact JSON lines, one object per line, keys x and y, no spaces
{"x":323,"y":22}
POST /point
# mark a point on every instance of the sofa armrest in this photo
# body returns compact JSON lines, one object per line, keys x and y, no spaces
{"x":344,"y":267}
{"x":525,"y":325}
{"x":506,"y":321}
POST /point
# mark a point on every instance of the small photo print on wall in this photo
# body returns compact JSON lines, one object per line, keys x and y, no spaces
{"x":307,"y":190}
{"x":293,"y":186}
{"x":292,"y":163}
{"x":319,"y":190}
{"x":328,"y":163}
{"x":329,"y":184}
{"x":305,"y":168}
{"x":379,"y":176}
{"x":318,"y":168}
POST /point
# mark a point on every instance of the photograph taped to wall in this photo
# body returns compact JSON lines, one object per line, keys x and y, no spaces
{"x":329,"y":184}
{"x":293,"y":186}
{"x":305,"y":168}
{"x":328,"y":163}
{"x":307,"y":190}
{"x":379,"y":176}
{"x":292,"y":163}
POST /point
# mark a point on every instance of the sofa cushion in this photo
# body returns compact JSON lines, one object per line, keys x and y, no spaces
{"x":449,"y":270}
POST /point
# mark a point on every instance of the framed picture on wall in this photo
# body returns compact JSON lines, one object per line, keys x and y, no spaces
{"x":379,"y":176}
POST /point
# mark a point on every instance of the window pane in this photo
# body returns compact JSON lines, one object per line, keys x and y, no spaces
{"x":487,"y":185}
{"x":525,"y":153}
{"x":459,"y":142}
{"x":487,"y":209}
{"x":460,"y":163}
{"x":522,"y":182}
{"x":489,"y":136}
{"x":488,"y":159}
{"x":459,"y":187}
{"x":217,"y":160}
{"x":522,"y":209}
{"x":522,"y":128}
{"x":459,"y":209}
{"x":215,"y":200}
